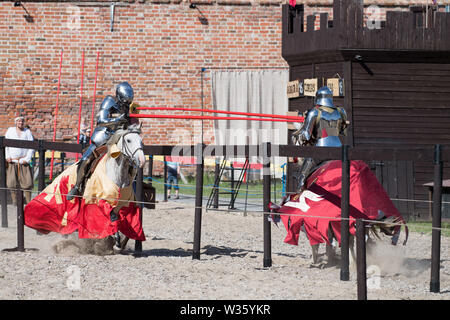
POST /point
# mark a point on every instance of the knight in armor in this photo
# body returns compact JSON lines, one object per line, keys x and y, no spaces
{"x":113,"y":115}
{"x":322,"y":127}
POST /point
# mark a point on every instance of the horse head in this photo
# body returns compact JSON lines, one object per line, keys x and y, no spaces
{"x":128,"y":144}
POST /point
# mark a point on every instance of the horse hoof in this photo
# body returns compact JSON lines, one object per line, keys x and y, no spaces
{"x":117,"y":249}
{"x":317,"y":265}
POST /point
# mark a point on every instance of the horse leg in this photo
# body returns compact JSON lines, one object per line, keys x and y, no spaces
{"x":119,"y":242}
{"x":117,"y":248}
{"x":352,"y":252}
{"x":124,"y":242}
{"x":315,"y":254}
{"x":330,"y":249}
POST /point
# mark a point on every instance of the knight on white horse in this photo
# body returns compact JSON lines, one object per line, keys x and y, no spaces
{"x":113,"y":115}
{"x":107,"y":204}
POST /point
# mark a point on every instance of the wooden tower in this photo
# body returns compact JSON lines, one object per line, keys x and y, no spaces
{"x":396,"y":76}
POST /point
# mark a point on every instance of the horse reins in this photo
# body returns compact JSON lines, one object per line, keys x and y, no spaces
{"x":128,"y":154}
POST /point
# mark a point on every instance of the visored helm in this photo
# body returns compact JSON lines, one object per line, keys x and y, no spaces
{"x":324,"y":97}
{"x":124,"y":93}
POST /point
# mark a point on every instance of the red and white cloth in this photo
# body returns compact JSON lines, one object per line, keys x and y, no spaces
{"x":90,"y":215}
{"x":318,"y":207}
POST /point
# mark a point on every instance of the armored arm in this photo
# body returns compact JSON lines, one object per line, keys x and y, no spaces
{"x":305,"y":134}
{"x":344,"y":122}
{"x":108,"y":110}
{"x":105,"y":120}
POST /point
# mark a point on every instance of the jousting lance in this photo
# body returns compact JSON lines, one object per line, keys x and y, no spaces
{"x":274,"y":118}
{"x":180,"y":116}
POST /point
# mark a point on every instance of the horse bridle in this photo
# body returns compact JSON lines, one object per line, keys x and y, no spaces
{"x":128,"y":154}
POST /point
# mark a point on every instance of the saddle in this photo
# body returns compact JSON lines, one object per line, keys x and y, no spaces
{"x":98,"y":155}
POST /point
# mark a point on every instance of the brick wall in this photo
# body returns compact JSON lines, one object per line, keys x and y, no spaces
{"x":159,"y":46}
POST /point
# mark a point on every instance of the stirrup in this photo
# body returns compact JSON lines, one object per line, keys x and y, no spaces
{"x":72,"y":193}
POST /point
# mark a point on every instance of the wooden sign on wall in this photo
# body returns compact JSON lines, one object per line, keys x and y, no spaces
{"x":310,"y":87}
{"x":293,"y":89}
{"x":337,"y":86}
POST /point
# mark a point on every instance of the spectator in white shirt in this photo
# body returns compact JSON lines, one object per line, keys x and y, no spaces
{"x":18,"y":173}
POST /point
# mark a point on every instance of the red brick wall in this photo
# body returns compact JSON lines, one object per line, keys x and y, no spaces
{"x":160,"y":48}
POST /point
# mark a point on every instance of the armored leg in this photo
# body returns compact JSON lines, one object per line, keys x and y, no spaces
{"x":82,"y":169}
{"x":306,"y":168}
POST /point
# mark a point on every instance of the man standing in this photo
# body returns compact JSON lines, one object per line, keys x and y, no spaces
{"x":173,"y":169}
{"x":322,"y":127}
{"x":85,"y":133}
{"x":18,"y":172}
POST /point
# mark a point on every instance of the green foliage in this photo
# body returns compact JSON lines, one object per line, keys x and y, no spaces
{"x":425,"y":227}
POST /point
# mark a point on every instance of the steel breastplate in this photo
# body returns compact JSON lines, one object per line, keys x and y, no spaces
{"x":109,"y":110}
{"x":330,"y":141}
{"x":329,"y":126}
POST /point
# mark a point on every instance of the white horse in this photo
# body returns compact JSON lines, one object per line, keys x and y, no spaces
{"x":122,"y":169}
{"x":122,"y":166}
{"x":125,"y":156}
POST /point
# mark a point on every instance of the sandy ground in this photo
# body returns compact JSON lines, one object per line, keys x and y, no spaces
{"x":230,"y":266}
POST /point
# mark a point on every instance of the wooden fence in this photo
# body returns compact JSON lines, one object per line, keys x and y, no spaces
{"x":435,"y":154}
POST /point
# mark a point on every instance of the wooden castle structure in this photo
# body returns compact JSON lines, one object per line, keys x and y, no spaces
{"x":396,"y":84}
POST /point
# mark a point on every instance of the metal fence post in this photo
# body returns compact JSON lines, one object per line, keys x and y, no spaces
{"x":361,"y":275}
{"x":165,"y":179}
{"x":41,"y":177}
{"x":63,"y":157}
{"x":198,"y":201}
{"x":216,"y":178}
{"x":3,"y":192}
{"x":345,"y":202}
{"x":436,"y":224}
{"x":266,"y":149}
{"x":150,"y":169}
{"x":139,"y":198}
{"x":20,"y":221}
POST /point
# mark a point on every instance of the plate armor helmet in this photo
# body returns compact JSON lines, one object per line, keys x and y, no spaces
{"x":124,"y":94}
{"x":324,"y":97}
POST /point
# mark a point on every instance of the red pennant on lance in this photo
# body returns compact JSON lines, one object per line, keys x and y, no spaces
{"x":292,"y":2}
{"x":318,"y":207}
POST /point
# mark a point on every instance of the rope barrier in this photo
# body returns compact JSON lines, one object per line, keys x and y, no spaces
{"x":185,"y":186}
{"x":392,"y":199}
{"x":188,"y":186}
{"x":243,"y":211}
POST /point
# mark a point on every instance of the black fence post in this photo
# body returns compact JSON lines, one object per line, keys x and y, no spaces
{"x":41,"y":177}
{"x":63,"y":157}
{"x":436,"y":224}
{"x":266,"y":149}
{"x":20,"y":221}
{"x":198,"y":200}
{"x":361,"y":276}
{"x":232,"y":186}
{"x":165,"y":179}
{"x":345,"y":204}
{"x":216,"y":179}
{"x":3,"y":192}
{"x":150,"y":169}
{"x":139,"y":198}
